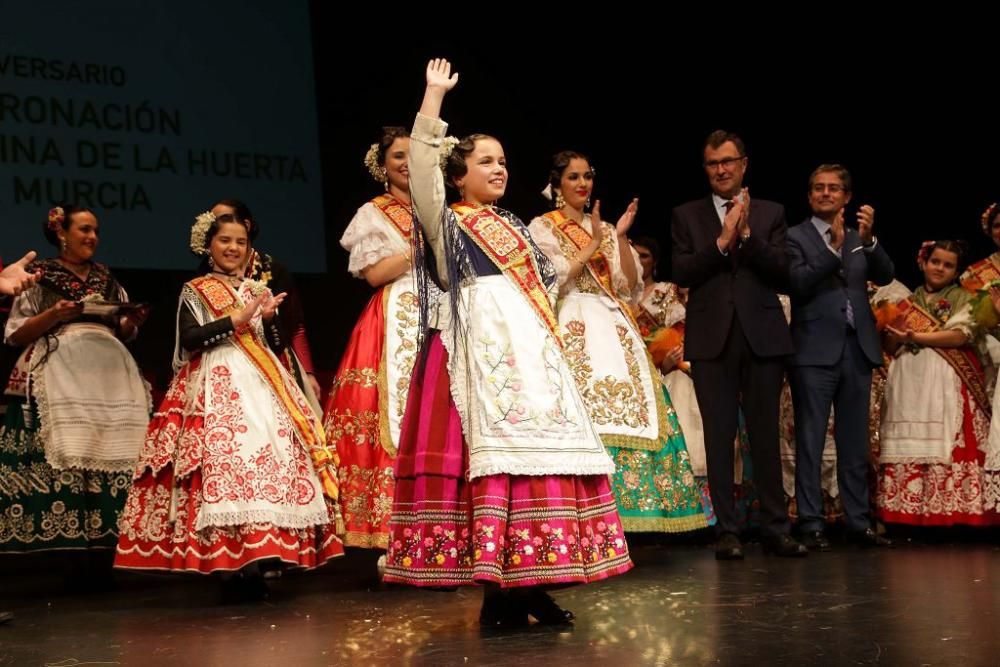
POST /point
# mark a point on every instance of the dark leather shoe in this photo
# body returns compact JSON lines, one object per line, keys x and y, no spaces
{"x":6,"y":617}
{"x":815,"y":540}
{"x":540,"y":604}
{"x":868,"y":539}
{"x":785,"y":546}
{"x":728,"y":548}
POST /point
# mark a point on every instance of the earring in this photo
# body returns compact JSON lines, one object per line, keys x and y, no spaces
{"x":560,"y":200}
{"x":211,"y":262}
{"x":586,"y":204}
{"x":64,"y":245}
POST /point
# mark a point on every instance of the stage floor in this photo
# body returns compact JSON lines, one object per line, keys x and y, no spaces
{"x":917,"y":604}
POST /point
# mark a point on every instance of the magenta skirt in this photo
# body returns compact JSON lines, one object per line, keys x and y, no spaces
{"x":511,"y":530}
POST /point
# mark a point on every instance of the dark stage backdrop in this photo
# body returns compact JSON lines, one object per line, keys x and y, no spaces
{"x":914,"y":124}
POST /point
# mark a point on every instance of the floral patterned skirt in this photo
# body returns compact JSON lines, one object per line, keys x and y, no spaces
{"x":656,"y":490}
{"x":352,"y":424}
{"x":167,"y":522}
{"x":46,"y":509}
{"x":512,"y":530}
{"x":159,"y":533}
{"x":940,"y":494}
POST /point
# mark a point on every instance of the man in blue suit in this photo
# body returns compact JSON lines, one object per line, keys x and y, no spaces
{"x":836,"y":348}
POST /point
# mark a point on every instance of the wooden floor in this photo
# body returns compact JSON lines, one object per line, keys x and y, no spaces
{"x":918,"y":604}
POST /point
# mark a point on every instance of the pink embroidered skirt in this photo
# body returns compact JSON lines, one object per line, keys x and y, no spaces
{"x":512,"y":530}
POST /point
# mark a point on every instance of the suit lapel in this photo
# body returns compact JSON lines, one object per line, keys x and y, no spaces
{"x":819,"y":243}
{"x":709,"y":218}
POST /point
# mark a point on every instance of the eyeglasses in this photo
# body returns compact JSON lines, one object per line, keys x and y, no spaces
{"x":831,"y":187}
{"x":725,"y":163}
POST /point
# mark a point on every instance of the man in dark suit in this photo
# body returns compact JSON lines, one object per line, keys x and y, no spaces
{"x":836,"y":348}
{"x":731,"y":254}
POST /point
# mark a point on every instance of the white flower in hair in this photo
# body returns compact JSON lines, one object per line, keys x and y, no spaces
{"x":199,"y":233}
{"x":447,"y":147}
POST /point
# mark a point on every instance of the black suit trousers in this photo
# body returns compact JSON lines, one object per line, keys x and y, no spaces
{"x":739,"y":378}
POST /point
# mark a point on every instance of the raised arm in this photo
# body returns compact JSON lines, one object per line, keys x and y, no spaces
{"x":426,"y":180}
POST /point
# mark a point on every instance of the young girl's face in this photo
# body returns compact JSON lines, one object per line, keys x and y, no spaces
{"x":486,"y":178}
{"x":940,"y":269}
{"x":229,"y":247}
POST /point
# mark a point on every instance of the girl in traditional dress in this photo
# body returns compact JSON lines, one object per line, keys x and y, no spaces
{"x":598,"y":273}
{"x":368,"y":397}
{"x":937,"y":411}
{"x":295,"y":354}
{"x":501,"y":479}
{"x":235,"y":469}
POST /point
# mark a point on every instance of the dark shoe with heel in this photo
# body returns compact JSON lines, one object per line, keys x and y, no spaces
{"x":815,"y":540}
{"x":785,"y":546}
{"x":540,"y":604}
{"x":868,"y":539}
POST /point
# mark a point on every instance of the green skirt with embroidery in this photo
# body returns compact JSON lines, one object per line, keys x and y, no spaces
{"x":45,"y":509}
{"x":656,"y":491}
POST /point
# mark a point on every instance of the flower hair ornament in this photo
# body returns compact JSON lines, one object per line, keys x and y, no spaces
{"x":199,"y":233}
{"x":925,"y":252}
{"x":371,"y":161}
{"x":57,"y":216}
{"x":447,"y":148}
{"x":987,"y":216}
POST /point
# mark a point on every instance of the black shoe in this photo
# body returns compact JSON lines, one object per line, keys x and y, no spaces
{"x":815,"y":540}
{"x":784,"y":545}
{"x":728,"y":548}
{"x":540,"y":604}
{"x":500,"y":611}
{"x":868,"y":539}
{"x":6,"y":617}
